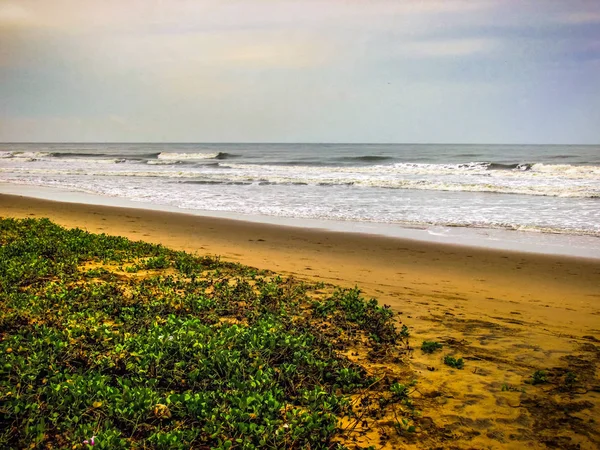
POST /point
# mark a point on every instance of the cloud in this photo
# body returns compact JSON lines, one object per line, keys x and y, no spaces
{"x":582,"y":17}
{"x":12,"y":13}
{"x":76,"y":16}
{"x":446,"y":48}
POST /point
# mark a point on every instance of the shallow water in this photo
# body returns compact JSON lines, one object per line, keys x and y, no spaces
{"x":548,"y":189}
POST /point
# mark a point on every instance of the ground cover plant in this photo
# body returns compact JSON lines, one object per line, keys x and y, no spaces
{"x":132,"y":345}
{"x":538,"y":377}
{"x":430,"y":346}
{"x":455,"y":363}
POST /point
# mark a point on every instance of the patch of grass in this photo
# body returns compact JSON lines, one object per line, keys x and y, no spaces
{"x":430,"y":346}
{"x":453,"y":362}
{"x":194,"y":353}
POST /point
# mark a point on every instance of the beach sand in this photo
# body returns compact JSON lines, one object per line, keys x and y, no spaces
{"x":507,"y":314}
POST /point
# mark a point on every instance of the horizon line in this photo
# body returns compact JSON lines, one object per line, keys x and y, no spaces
{"x":294,"y":143}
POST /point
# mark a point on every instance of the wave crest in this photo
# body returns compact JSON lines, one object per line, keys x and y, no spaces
{"x":171,"y":156}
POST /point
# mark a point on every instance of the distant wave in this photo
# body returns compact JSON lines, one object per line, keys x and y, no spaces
{"x":98,"y":158}
{"x":118,"y":156}
{"x":194,"y":156}
{"x":24,"y":155}
{"x":83,"y":155}
{"x":162,"y":162}
{"x":169,"y":157}
{"x":470,"y":168}
{"x":524,"y":178}
{"x":215,"y":182}
{"x":498,"y":166}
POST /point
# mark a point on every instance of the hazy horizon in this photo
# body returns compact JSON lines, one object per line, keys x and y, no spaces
{"x":508,"y":144}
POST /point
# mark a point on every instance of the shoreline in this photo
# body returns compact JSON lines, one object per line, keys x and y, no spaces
{"x":520,"y":241}
{"x":508,"y":314}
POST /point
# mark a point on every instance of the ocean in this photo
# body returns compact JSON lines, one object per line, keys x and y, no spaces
{"x":541,"y":189}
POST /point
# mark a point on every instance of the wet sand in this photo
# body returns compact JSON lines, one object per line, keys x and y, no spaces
{"x":507,"y":314}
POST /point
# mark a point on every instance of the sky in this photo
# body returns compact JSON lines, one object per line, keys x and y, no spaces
{"x":404,"y":71}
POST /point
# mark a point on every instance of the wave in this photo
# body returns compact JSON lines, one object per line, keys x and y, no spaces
{"x":193,"y":156}
{"x":72,"y":157}
{"x":162,"y":162}
{"x":284,"y":183}
{"x":96,"y":161}
{"x":114,"y":155}
{"x":24,"y":155}
{"x":498,"y":166}
{"x":150,"y":158}
{"x":215,"y":182}
{"x":525,"y":178}
{"x":384,"y":165}
{"x":534,"y":186}
{"x":567,"y":169}
{"x":83,"y":155}
{"x":470,"y":168}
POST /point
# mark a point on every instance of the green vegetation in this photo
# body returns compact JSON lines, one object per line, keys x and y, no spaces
{"x":453,"y":362}
{"x":144,"y":347}
{"x":430,"y":346}
{"x":538,"y":377}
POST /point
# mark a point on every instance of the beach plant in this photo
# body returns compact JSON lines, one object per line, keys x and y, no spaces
{"x":401,"y":393}
{"x":404,"y":332}
{"x":539,"y":377}
{"x":430,"y":346}
{"x":179,"y":351}
{"x":454,"y":362}
{"x":401,"y":398}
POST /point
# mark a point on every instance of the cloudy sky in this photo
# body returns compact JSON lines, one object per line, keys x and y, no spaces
{"x":476,"y":71}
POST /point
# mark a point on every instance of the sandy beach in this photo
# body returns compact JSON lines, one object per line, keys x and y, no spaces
{"x":507,"y":314}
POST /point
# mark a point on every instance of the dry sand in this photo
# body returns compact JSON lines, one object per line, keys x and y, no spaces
{"x":507,"y":314}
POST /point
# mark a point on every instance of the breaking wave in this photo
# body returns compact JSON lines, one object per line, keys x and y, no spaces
{"x":193,"y":156}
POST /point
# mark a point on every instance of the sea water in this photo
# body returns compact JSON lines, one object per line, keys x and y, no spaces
{"x":538,"y":189}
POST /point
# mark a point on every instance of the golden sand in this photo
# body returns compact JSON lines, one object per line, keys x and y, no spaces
{"x":507,"y":314}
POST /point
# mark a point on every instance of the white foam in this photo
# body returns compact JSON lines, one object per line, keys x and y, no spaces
{"x":91,"y":161}
{"x":567,"y":170}
{"x":28,"y":155}
{"x":504,"y":182}
{"x":187,"y":156}
{"x":161,"y":162}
